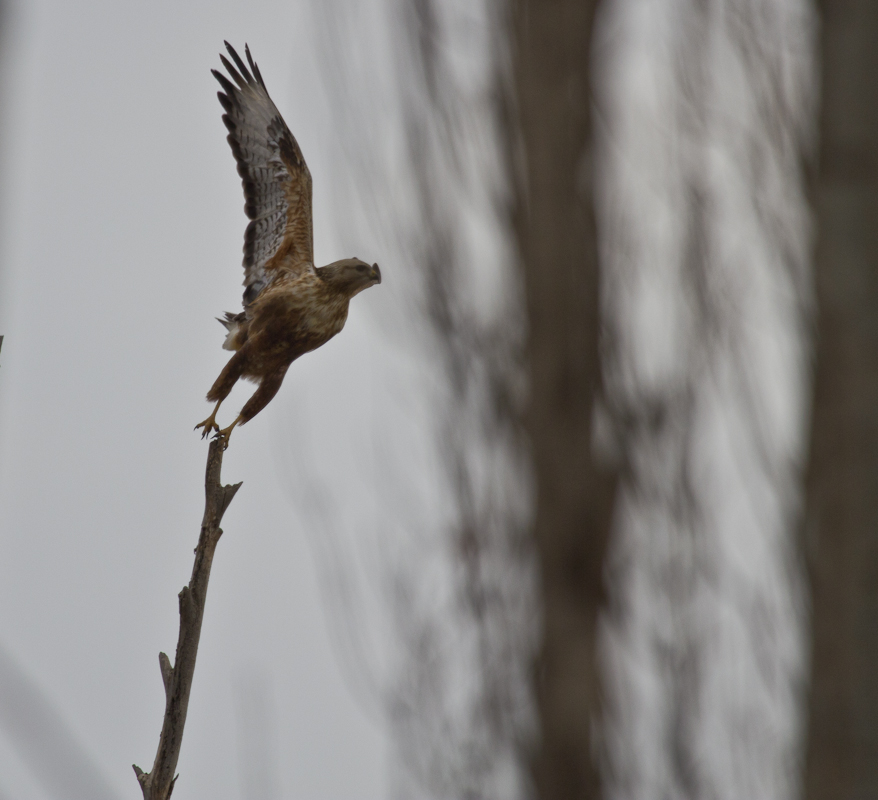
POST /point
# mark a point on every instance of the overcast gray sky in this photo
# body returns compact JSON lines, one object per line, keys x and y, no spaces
{"x":122,"y":226}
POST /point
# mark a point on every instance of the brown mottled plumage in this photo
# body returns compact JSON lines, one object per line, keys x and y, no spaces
{"x":290,"y":308}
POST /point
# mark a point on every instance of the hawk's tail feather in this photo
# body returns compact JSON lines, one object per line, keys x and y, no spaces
{"x":232,"y":323}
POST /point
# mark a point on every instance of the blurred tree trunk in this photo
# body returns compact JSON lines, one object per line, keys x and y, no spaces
{"x":555,"y":230}
{"x":842,"y":485}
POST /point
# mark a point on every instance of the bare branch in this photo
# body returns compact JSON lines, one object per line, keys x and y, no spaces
{"x":159,"y":783}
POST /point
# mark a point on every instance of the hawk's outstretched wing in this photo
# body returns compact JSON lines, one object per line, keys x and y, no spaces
{"x":277,"y":183}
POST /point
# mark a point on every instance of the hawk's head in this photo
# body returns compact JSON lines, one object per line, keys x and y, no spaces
{"x":350,"y":275}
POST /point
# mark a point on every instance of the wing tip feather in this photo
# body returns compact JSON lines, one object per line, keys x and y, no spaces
{"x":254,"y":66}
{"x":230,"y":89}
{"x":236,"y":76}
{"x":242,"y":67}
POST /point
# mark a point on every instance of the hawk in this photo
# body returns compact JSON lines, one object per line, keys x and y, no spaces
{"x":290,"y":308}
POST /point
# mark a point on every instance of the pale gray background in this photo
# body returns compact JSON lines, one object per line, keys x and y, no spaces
{"x":121,"y":229}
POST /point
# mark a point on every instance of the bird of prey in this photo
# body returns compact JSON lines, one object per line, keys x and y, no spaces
{"x":290,"y":308}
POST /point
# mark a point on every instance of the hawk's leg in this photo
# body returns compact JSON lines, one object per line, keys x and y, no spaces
{"x":261,"y":397}
{"x":268,"y":387}
{"x":221,"y":388}
{"x":210,"y":423}
{"x":233,"y":370}
{"x":225,"y":433}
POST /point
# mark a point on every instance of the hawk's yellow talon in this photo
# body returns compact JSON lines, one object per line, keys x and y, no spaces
{"x":226,"y":433}
{"x":210,"y":423}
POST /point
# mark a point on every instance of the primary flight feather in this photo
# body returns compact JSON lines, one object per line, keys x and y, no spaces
{"x":290,"y":308}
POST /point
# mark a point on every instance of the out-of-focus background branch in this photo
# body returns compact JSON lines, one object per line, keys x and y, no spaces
{"x":707,"y":302}
{"x":554,"y":225}
{"x":841,"y":521}
{"x":585,"y":484}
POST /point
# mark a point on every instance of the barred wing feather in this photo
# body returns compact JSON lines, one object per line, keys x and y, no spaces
{"x":276,"y":180}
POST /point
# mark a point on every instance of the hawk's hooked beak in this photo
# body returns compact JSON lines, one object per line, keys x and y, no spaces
{"x":376,"y":273}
